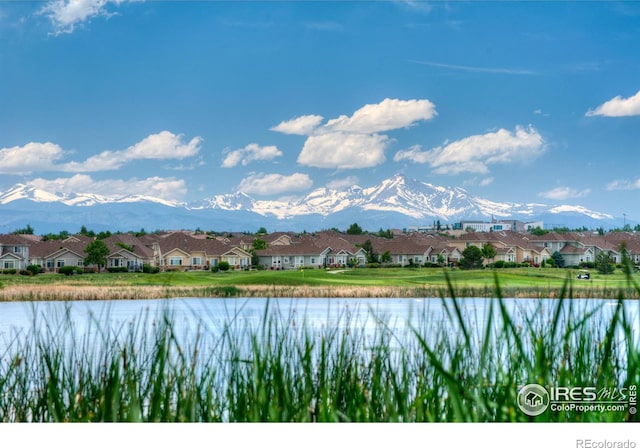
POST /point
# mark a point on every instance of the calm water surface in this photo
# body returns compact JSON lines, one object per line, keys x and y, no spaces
{"x":192,"y":316}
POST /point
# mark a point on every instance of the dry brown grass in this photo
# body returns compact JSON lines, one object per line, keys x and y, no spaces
{"x":82,"y":292}
{"x":14,"y":293}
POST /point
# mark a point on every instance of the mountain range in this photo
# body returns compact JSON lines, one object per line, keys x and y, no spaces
{"x":396,"y":202}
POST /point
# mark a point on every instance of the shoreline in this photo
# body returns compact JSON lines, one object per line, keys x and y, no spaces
{"x":35,"y":293}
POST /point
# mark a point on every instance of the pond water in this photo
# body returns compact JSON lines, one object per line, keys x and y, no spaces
{"x":213,"y":316}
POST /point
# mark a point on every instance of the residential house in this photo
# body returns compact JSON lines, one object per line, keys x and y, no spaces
{"x":14,"y":252}
{"x":128,"y":251}
{"x":51,"y":255}
{"x":179,"y":250}
{"x":509,"y":245}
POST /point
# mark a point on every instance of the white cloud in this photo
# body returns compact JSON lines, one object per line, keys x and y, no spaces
{"x":303,"y":125}
{"x":273,"y":184}
{"x":164,"y":188}
{"x":161,"y":146}
{"x":250,"y":153}
{"x":618,"y":107}
{"x":413,"y":154}
{"x":385,"y":116}
{"x":476,"y":182}
{"x":624,"y":185}
{"x":30,"y":157}
{"x":540,"y":112}
{"x":342,"y":150}
{"x":65,"y":15}
{"x":356,"y":141}
{"x":474,"y":154}
{"x":467,"y":68}
{"x":562,"y":193}
{"x":339,"y":184}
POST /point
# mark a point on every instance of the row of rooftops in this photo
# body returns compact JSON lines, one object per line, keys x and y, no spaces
{"x":290,"y":243}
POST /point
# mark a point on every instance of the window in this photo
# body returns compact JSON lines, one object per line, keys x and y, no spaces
{"x":49,"y":264}
{"x":9,"y":264}
{"x":17,"y":249}
{"x":175,"y":261}
{"x":80,"y":263}
{"x":231,"y":260}
{"x":196,"y":261}
{"x":60,"y":263}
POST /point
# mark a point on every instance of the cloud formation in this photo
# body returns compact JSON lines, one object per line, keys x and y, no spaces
{"x":474,"y":154}
{"x":20,"y":160}
{"x":562,"y":193}
{"x":161,"y":146}
{"x":344,"y":150}
{"x":617,"y":107}
{"x":385,"y":116}
{"x":170,"y":188}
{"x":467,"y":68}
{"x":623,"y":185}
{"x":250,"y":153}
{"x":303,"y":125}
{"x":273,"y":184}
{"x":352,"y":142}
{"x":35,"y":156}
{"x":339,"y":184}
{"x":65,"y":15}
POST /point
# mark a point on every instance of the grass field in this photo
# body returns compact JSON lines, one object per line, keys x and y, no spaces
{"x":277,"y":371}
{"x":393,"y":282}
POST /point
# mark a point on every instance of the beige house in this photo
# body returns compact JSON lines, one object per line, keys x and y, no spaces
{"x":509,"y":246}
{"x":51,"y":255}
{"x":14,"y":252}
{"x":180,"y":250}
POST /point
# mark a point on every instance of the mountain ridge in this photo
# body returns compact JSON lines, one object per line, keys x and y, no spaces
{"x":394,"y":202}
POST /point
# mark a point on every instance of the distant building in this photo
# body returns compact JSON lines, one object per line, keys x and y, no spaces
{"x":497,"y":225}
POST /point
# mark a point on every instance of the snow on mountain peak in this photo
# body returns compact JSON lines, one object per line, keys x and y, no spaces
{"x":414,"y":199}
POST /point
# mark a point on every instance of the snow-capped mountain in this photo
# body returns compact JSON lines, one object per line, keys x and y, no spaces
{"x":394,"y":202}
{"x":400,"y":195}
{"x":21,"y":191}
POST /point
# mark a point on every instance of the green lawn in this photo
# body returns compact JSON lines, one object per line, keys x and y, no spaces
{"x":511,"y":279}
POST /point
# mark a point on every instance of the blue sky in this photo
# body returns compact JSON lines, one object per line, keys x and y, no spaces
{"x":513,"y":101}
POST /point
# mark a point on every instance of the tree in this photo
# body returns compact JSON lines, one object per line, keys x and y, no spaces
{"x":85,"y":232}
{"x":604,"y":262}
{"x":259,"y":244}
{"x":558,"y":259}
{"x":25,"y":231}
{"x":354,"y":229}
{"x":97,"y":252}
{"x":488,"y":251}
{"x":372,"y":257}
{"x":385,"y":233}
{"x":538,"y":231}
{"x":386,"y":257}
{"x":261,"y":231}
{"x":104,"y":234}
{"x":471,"y":258}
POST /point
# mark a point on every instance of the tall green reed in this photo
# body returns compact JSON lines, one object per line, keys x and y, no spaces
{"x":456,"y":367}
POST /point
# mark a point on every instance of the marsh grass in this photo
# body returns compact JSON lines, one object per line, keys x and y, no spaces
{"x":465,"y":368}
